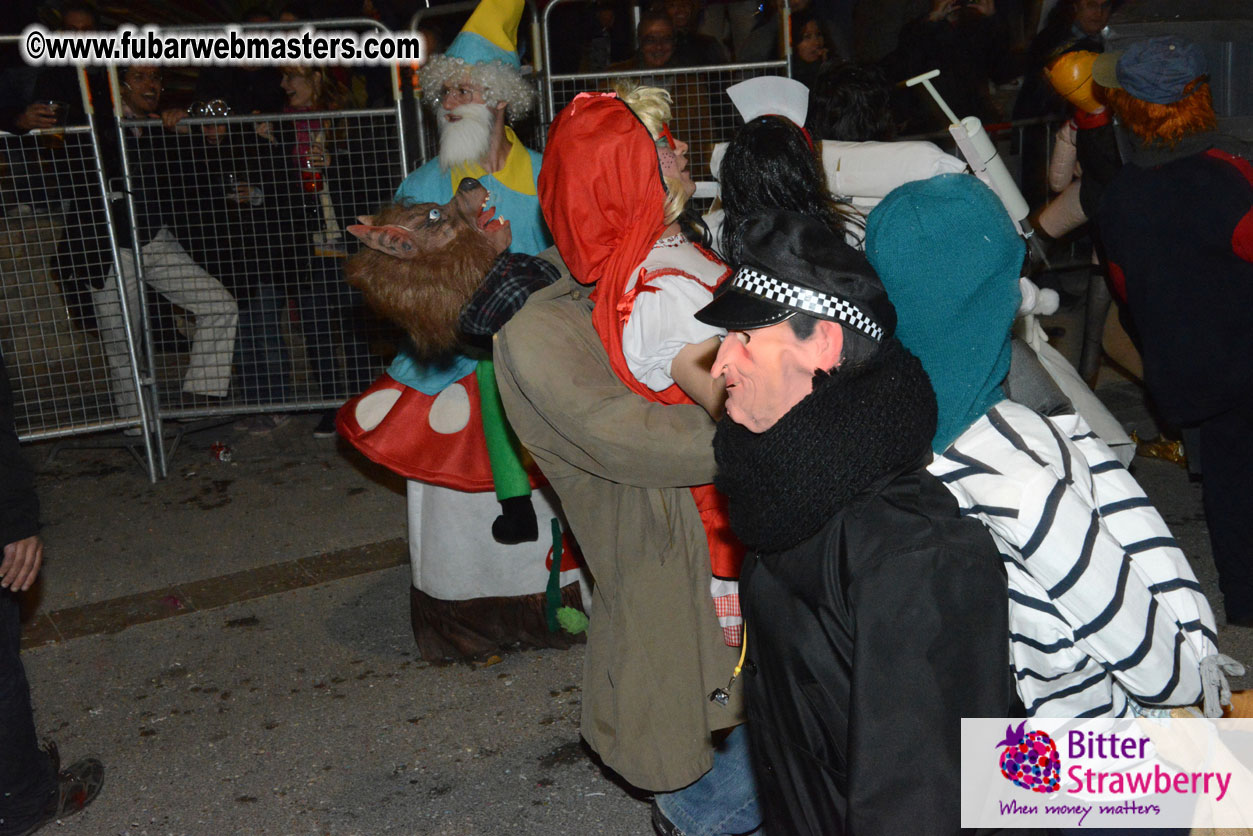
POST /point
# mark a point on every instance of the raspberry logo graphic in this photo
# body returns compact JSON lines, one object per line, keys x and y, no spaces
{"x":1030,"y":760}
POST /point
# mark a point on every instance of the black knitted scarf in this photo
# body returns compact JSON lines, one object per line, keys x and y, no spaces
{"x":859,"y":425}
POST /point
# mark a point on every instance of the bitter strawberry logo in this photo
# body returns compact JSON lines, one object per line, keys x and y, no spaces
{"x":1030,"y":760}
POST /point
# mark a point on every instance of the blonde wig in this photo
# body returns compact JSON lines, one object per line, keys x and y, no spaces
{"x":652,"y":106}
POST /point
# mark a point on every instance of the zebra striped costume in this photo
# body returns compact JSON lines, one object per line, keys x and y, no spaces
{"x":1106,"y":617}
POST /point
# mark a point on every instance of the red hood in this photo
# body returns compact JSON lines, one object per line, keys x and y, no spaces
{"x":601,"y":193}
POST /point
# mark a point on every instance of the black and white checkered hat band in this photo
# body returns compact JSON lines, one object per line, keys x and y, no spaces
{"x":805,"y":299}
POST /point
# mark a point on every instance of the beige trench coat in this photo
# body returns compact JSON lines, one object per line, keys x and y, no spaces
{"x":620,"y":465}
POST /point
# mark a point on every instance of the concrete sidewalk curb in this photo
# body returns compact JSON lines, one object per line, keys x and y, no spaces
{"x":116,"y":614}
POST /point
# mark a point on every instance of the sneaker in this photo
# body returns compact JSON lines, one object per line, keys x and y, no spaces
{"x":77,"y":786}
{"x":326,"y":425}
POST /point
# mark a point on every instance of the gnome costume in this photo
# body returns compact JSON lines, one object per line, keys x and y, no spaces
{"x":440,"y":424}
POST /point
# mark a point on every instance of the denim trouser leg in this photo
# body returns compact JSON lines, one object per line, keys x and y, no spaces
{"x":263,"y":357}
{"x":724,"y":800}
{"x":331,"y":312}
{"x":26,"y":779}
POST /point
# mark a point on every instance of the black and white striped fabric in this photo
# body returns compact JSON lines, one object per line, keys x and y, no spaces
{"x":1106,"y":617}
{"x":806,"y":299}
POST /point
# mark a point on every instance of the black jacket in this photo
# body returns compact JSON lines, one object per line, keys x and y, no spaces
{"x":1180,"y":254}
{"x":866,"y":642}
{"x":245,"y":243}
{"x":19,"y":506}
{"x":875,"y":616}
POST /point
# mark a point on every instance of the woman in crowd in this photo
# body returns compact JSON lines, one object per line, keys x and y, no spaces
{"x":809,"y":47}
{"x":334,"y":195}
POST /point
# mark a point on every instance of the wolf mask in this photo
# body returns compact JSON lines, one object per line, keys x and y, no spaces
{"x":422,"y":262}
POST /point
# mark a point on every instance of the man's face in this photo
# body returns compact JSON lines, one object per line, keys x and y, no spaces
{"x":768,"y":371}
{"x":213,"y":134}
{"x":682,"y":12}
{"x":656,"y":43}
{"x":141,"y":89}
{"x":1092,"y":15}
{"x":454,"y":94}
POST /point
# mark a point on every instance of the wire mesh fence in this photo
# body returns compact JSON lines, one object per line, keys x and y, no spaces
{"x":50,"y":330}
{"x":702,"y":113}
{"x":230,"y":235}
{"x":242,"y":225}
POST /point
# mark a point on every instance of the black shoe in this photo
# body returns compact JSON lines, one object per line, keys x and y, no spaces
{"x":663,"y":825}
{"x":516,"y":523}
{"x":77,"y":786}
{"x":326,"y":425}
{"x":1240,"y":619}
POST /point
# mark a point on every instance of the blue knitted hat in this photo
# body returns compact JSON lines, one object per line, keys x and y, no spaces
{"x":950,"y":259}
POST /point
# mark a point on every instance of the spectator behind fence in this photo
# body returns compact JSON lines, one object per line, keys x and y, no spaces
{"x":606,"y":36}
{"x":1072,"y":25}
{"x":336,"y":184}
{"x":692,"y":48}
{"x":762,"y":42}
{"x":657,"y":42}
{"x":241,"y":195}
{"x":168,"y":268}
{"x":34,"y":789}
{"x":689,"y":91}
{"x":968,"y":42}
{"x":58,"y":84}
{"x":41,"y":171}
{"x":809,"y":47}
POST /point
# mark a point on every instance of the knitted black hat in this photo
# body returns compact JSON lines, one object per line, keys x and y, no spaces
{"x":792,"y":264}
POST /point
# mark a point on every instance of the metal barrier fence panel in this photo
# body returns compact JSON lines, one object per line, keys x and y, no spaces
{"x":53,"y":269}
{"x":243,"y":230}
{"x":702,"y":112}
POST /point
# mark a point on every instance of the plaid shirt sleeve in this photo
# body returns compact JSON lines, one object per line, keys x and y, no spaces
{"x":511,"y":280}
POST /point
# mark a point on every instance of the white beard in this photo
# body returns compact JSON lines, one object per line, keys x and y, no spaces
{"x":469,"y":138}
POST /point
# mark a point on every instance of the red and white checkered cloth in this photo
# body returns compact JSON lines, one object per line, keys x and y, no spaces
{"x":726,"y":595}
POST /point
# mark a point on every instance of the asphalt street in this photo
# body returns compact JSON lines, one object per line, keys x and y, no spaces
{"x":234,"y":643}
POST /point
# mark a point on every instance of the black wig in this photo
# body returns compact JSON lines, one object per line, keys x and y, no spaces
{"x":769,"y":164}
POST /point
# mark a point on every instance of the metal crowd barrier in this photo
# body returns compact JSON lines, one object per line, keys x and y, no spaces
{"x":235,"y":305}
{"x":243,"y":306}
{"x":1026,"y":146}
{"x":703,"y":114}
{"x":50,"y":344}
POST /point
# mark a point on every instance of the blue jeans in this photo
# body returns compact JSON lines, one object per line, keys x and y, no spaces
{"x":332,"y":313}
{"x":721,"y":802}
{"x":27,"y":782}
{"x":262,"y":358}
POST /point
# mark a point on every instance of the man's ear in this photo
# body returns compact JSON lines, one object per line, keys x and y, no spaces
{"x":826,"y":344}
